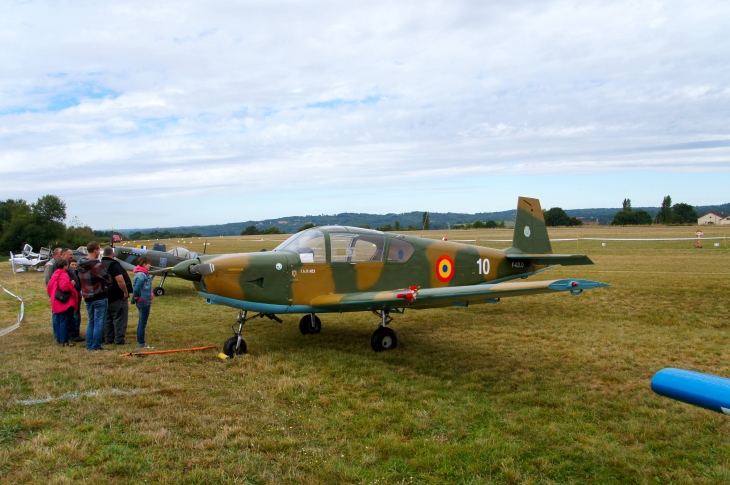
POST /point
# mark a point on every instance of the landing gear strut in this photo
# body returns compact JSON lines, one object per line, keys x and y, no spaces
{"x":310,"y":324}
{"x":384,"y":338}
{"x":236,"y":345}
{"x":160,"y":291}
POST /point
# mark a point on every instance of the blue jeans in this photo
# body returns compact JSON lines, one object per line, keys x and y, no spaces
{"x":75,"y":329}
{"x":61,"y":323}
{"x":144,"y":314}
{"x":95,"y":328}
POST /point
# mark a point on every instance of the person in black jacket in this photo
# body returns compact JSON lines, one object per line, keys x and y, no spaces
{"x":117,"y":315}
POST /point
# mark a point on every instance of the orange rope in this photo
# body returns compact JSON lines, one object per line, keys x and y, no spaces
{"x":140,"y":354}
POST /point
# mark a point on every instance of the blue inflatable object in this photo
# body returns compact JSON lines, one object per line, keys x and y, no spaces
{"x":703,"y":390}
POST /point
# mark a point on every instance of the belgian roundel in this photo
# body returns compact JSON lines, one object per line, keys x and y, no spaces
{"x":445,"y":268}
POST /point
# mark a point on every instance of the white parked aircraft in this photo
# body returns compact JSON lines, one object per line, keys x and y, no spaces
{"x":28,"y":259}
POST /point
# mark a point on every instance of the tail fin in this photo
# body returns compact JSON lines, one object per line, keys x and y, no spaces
{"x":530,"y":234}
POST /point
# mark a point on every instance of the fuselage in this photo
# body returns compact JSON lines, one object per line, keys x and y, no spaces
{"x":325,"y":263}
{"x":128,"y":257}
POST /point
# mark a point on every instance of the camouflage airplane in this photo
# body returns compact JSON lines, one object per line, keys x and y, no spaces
{"x":162,"y":261}
{"x":346,"y":269}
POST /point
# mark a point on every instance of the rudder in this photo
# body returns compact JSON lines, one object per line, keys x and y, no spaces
{"x":530,"y":234}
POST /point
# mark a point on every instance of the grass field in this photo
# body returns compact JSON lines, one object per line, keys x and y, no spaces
{"x":539,"y":389}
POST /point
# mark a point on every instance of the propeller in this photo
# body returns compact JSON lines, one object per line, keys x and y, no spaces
{"x":202,"y":269}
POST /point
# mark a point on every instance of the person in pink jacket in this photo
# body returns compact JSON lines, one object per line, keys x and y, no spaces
{"x":63,"y":311}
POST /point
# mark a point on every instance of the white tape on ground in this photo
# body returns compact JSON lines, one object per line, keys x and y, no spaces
{"x":20,"y":316}
{"x":76,"y":395}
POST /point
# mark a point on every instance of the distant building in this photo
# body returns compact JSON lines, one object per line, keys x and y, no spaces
{"x":714,"y":219}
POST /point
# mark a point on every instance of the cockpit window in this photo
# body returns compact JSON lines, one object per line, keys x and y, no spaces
{"x":400,"y":250}
{"x":182,"y":253}
{"x":356,"y":248}
{"x":308,"y":244}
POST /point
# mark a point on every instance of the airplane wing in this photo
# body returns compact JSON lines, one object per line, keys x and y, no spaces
{"x":125,"y":265}
{"x":449,"y":296}
{"x":550,"y":259}
{"x":154,"y":270}
{"x":161,"y":271}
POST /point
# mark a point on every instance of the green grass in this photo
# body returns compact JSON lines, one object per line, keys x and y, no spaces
{"x":542,"y":389}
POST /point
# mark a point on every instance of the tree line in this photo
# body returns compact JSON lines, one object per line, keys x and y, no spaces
{"x":157,"y":234}
{"x":254,"y":231}
{"x":680,"y":213}
{"x":40,"y":224}
{"x":425,"y":224}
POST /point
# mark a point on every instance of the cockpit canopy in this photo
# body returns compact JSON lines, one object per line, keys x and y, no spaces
{"x":182,"y":253}
{"x":346,"y":245}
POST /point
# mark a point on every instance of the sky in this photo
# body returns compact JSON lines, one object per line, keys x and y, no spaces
{"x":168,"y":113}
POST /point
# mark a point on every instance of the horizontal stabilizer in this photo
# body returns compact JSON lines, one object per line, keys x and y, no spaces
{"x":551,"y":259}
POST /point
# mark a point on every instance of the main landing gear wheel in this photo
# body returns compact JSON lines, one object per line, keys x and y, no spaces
{"x":229,"y":348}
{"x":307,"y":326}
{"x":159,"y":291}
{"x":384,"y":338}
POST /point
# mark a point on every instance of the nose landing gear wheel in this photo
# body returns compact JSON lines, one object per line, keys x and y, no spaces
{"x":306,"y":326}
{"x":384,"y":339}
{"x":159,"y":291}
{"x":229,"y":348}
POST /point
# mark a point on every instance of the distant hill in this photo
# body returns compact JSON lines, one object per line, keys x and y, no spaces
{"x":439,"y":220}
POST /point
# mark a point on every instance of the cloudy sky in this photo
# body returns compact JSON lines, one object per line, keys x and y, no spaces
{"x":153,"y":114}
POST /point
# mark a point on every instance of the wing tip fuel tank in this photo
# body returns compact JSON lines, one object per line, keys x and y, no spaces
{"x":695,"y":388}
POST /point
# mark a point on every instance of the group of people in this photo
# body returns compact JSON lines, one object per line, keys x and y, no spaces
{"x":105,"y":288}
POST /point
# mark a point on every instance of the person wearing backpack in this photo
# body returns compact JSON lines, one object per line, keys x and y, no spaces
{"x":94,"y":283}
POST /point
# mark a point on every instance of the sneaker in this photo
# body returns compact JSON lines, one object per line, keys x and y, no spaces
{"x":78,"y":339}
{"x":146,"y":347}
{"x":123,"y":343}
{"x":68,"y":344}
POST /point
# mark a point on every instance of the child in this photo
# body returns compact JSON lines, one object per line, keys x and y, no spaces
{"x":75,"y":329}
{"x":142,"y":297}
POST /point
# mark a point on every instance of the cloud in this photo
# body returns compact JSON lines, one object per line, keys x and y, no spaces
{"x":194,"y":100}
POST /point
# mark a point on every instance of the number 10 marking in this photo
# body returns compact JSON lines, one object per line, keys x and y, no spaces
{"x":483,"y":266}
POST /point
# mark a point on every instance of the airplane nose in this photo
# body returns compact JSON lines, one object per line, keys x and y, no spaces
{"x":183,"y":270}
{"x":201,"y":269}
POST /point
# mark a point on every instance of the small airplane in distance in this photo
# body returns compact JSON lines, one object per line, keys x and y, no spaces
{"x":162,"y":260}
{"x":28,"y":259}
{"x":348,"y":269}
